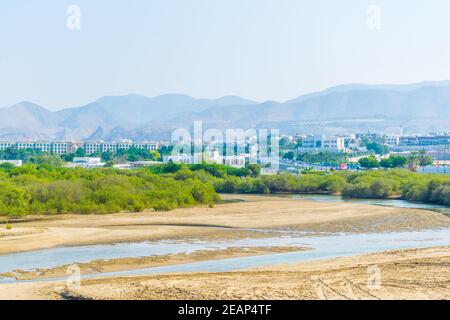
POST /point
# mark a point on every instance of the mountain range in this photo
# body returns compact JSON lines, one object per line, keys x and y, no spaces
{"x":413,"y":108}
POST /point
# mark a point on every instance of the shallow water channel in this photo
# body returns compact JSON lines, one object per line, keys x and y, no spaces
{"x":323,"y":246}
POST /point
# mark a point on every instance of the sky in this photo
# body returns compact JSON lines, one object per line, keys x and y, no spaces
{"x":258,"y":49}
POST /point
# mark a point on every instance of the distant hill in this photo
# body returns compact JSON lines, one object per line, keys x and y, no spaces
{"x":27,"y":114}
{"x":416,"y":108}
{"x":136,"y":110}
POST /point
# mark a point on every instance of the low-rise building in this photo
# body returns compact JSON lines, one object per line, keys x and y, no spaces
{"x":392,"y":141}
{"x":180,"y":158}
{"x":50,"y":147}
{"x":321,"y":143}
{"x":428,"y":140}
{"x":100,"y":146}
{"x":6,"y":145}
{"x":237,"y":161}
{"x":60,"y":148}
{"x":136,"y":164}
{"x":86,"y":162}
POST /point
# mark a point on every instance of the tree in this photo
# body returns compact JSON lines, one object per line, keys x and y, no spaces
{"x":289,"y":155}
{"x":52,"y":160}
{"x":423,"y":159}
{"x":377,"y":148}
{"x":369,"y":162}
{"x":7,"y":166}
{"x":398,"y":161}
{"x":254,"y":170}
{"x":155,"y":155}
{"x":412,"y":161}
{"x":393,"y":162}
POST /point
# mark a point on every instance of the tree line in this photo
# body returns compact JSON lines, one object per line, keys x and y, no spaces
{"x":45,"y":189}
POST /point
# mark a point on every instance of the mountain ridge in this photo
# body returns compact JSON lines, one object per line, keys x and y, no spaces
{"x":115,"y":117}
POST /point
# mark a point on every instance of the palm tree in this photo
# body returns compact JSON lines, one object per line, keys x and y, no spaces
{"x":412,"y":161}
{"x":422,"y":159}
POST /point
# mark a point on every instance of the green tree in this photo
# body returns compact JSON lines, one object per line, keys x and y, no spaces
{"x":412,"y":161}
{"x":52,"y":160}
{"x":393,"y":162}
{"x":289,"y":155}
{"x":369,"y":162}
{"x":155,"y":155}
{"x":377,"y":148}
{"x":423,"y":159}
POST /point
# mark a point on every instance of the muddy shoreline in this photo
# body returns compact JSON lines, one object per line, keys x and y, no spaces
{"x":408,"y":274}
{"x":249,"y":217}
{"x":122,"y":264}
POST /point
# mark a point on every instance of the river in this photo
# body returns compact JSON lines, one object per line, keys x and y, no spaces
{"x":397,"y":203}
{"x":323,"y":246}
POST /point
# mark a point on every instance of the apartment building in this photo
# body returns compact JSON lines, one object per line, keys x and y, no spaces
{"x":43,"y":146}
{"x":99,"y":147}
{"x":92,"y":147}
{"x":392,"y":141}
{"x":429,"y":140}
{"x":237,"y":161}
{"x":51,"y":147}
{"x":6,"y":145}
{"x":62,"y":148}
{"x":147,"y":146}
{"x":321,"y":143}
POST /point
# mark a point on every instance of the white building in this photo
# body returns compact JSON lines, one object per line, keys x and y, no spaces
{"x":50,"y":147}
{"x":392,"y":141}
{"x":100,"y":146}
{"x":92,"y":147}
{"x":43,"y":146}
{"x":25,"y":145}
{"x":136,"y":164}
{"x":181,"y":158}
{"x":60,"y":148}
{"x":6,"y":145}
{"x":237,"y":161}
{"x":86,"y":162}
{"x":321,"y":143}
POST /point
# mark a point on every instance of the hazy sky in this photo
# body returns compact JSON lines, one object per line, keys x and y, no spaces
{"x":259,"y":49}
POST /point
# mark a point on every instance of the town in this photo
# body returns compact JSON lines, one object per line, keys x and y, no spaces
{"x":297,"y":153}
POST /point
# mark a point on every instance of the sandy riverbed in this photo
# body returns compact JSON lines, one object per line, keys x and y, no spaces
{"x":113,"y":265}
{"x":405,"y":274}
{"x":226,"y":221}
